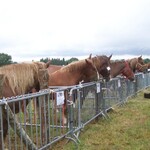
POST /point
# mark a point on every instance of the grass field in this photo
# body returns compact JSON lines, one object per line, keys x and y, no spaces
{"x":127,"y":129}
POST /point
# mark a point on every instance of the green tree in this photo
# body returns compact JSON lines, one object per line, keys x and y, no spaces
{"x":44,"y":60}
{"x":5,"y":59}
{"x":71,"y":60}
{"x":146,"y":60}
{"x":58,"y":61}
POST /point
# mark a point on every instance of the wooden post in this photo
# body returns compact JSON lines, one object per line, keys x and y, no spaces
{"x":43,"y":80}
{"x":13,"y":121}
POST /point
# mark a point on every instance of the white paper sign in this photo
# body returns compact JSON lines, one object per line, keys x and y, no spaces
{"x":119,"y":83}
{"x":98,"y":87}
{"x":143,"y":75}
{"x":60,"y":98}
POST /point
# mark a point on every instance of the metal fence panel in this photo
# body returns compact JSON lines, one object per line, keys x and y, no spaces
{"x":43,"y":123}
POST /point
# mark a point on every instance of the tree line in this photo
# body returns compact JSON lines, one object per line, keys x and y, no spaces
{"x":6,"y":59}
{"x":58,"y":61}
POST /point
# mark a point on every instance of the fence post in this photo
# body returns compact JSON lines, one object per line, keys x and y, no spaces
{"x":43,"y":80}
{"x":1,"y":116}
{"x":136,"y":85}
{"x":98,"y":98}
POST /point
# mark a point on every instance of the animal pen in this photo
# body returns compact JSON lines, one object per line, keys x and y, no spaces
{"x":43,"y":123}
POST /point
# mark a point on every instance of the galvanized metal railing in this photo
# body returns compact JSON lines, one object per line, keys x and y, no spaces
{"x":41,"y":127}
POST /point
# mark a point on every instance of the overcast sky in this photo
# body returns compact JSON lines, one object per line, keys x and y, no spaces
{"x":35,"y":29}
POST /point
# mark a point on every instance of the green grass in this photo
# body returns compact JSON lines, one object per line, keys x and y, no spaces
{"x":127,"y":129}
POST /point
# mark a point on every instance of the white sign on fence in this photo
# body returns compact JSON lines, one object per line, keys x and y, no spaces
{"x":119,"y":83}
{"x":143,"y":75}
{"x":98,"y":87}
{"x":60,"y":98}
